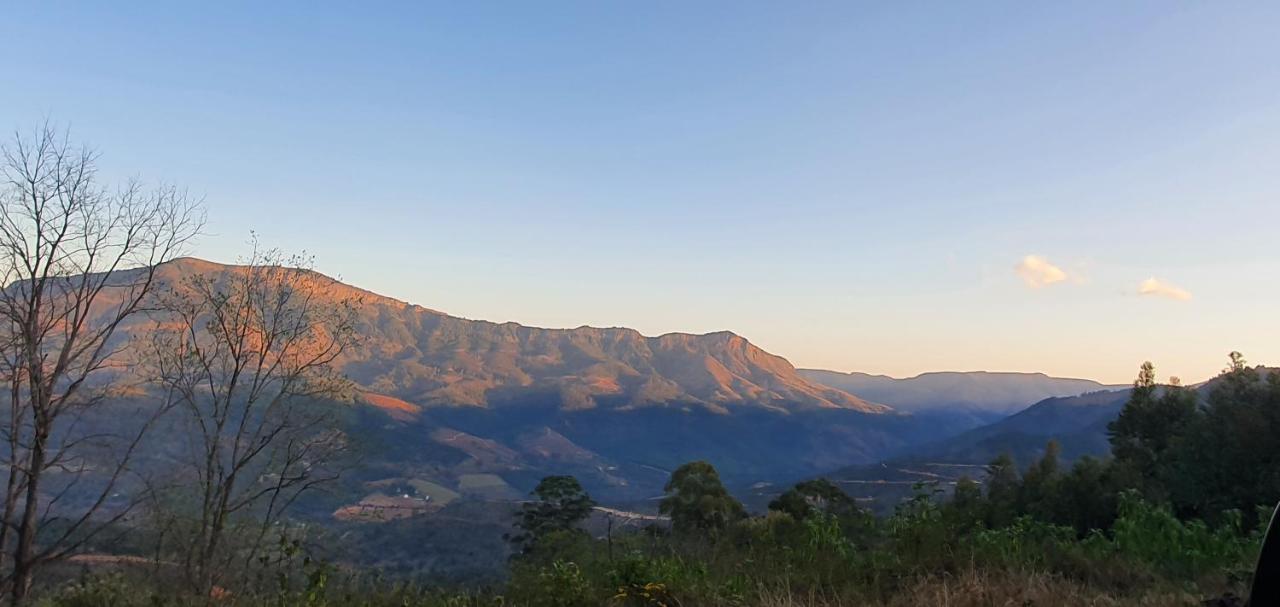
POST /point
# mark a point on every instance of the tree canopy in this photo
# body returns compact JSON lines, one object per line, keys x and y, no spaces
{"x":697,"y":501}
{"x":814,"y":496}
{"x":561,"y":504}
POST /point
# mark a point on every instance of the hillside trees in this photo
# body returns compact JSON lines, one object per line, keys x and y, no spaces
{"x":698,"y":502}
{"x":1002,"y":491}
{"x":1230,"y":459}
{"x":815,"y":496}
{"x":561,"y":504}
{"x":1039,"y":495}
{"x":1209,"y":459}
{"x":1149,"y":428}
{"x":245,"y":357}
{"x":1203,"y":457}
{"x":77,"y":261}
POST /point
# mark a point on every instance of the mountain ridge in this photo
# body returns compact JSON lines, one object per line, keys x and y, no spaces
{"x":430,"y":358}
{"x":985,"y":393}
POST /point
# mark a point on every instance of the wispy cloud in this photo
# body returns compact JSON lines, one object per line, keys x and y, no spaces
{"x":1037,"y":272}
{"x":1159,"y":288}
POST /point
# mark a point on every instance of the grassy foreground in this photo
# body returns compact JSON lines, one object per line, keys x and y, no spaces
{"x":926,"y":554}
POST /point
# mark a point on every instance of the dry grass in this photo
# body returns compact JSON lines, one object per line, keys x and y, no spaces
{"x":989,"y":589}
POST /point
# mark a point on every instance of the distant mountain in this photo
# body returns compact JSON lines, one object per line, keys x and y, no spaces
{"x":1078,"y":423}
{"x":424,"y":358}
{"x":457,"y":407}
{"x":428,"y":359}
{"x":982,"y":392}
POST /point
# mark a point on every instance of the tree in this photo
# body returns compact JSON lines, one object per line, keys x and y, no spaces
{"x":1038,"y":495}
{"x":77,"y":262}
{"x":815,"y":496}
{"x":562,"y":503}
{"x":967,"y":507}
{"x":697,"y":501}
{"x":1152,"y":422}
{"x":1003,"y":485}
{"x":246,"y":355}
{"x":1088,"y":495}
{"x":1230,"y":458}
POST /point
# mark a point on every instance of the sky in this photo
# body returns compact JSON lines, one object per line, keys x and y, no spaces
{"x":895,"y":188}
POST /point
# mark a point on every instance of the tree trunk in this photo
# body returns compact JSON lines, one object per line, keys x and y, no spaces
{"x":22,"y":557}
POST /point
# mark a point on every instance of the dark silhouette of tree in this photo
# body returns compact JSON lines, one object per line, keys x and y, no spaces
{"x":815,"y":496}
{"x":1087,"y":495}
{"x":77,"y":261}
{"x":1230,"y":458}
{"x":697,"y":501}
{"x":246,"y":356}
{"x":1152,"y":422}
{"x":1038,"y":494}
{"x":968,"y":507}
{"x":560,"y":506}
{"x":1003,"y":486}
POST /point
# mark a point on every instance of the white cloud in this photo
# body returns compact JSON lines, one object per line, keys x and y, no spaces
{"x":1037,"y":272}
{"x":1159,"y":288}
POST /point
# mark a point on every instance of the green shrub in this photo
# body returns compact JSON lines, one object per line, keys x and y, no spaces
{"x":561,"y":584}
{"x":1181,"y":549}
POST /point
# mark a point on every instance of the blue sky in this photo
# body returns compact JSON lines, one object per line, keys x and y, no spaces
{"x":848,"y":185}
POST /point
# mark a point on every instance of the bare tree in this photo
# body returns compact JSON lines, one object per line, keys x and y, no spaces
{"x":76,"y":262}
{"x":247,"y":353}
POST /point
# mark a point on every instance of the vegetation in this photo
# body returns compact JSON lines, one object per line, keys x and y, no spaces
{"x":561,"y":505}
{"x":77,"y":261}
{"x":1099,"y":532}
{"x":243,"y":360}
{"x":241,"y":367}
{"x":697,"y":501}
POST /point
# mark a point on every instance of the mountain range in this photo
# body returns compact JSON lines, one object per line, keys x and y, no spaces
{"x":978,"y":391}
{"x":408,"y":357}
{"x":474,"y":408}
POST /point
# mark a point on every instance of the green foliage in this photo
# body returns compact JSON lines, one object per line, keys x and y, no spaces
{"x":1025,"y":543}
{"x":649,"y":581}
{"x":562,"y":503}
{"x":697,"y":501}
{"x":560,"y":584}
{"x":1232,"y":459}
{"x":1087,"y":496}
{"x":1002,"y":490}
{"x":815,"y":497}
{"x":1039,"y":493}
{"x":1153,"y":423}
{"x":1175,"y":514}
{"x":1153,"y":535}
{"x":919,"y":531}
{"x":1204,"y":459}
{"x":778,"y":560}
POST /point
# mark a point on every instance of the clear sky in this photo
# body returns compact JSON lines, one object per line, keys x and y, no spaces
{"x":887,"y":187}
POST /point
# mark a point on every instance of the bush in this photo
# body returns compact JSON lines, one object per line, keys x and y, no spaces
{"x":561,"y":584}
{"x":1181,"y":549}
